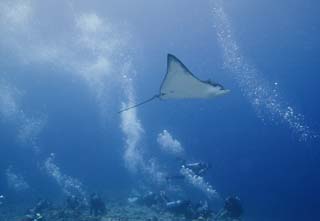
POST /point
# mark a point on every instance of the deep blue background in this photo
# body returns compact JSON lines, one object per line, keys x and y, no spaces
{"x":276,"y":176}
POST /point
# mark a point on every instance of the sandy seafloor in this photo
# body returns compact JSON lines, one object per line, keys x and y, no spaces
{"x":115,"y":211}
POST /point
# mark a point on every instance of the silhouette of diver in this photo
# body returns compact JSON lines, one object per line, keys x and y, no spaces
{"x":97,"y":205}
{"x":232,"y":209}
{"x":73,"y":202}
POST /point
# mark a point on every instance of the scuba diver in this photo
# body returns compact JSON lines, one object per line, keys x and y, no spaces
{"x":232,"y":209}
{"x":34,"y":217}
{"x":188,"y":210}
{"x":202,"y":210}
{"x":149,"y":199}
{"x":199,"y":169}
{"x":74,"y":207}
{"x":34,"y":214}
{"x":40,"y":207}
{"x":73,"y":202}
{"x":97,"y":205}
{"x":178,"y":207}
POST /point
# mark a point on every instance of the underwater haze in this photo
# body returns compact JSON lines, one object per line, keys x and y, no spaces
{"x":68,"y":67}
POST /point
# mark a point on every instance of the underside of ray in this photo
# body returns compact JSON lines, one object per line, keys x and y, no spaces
{"x":180,"y":83}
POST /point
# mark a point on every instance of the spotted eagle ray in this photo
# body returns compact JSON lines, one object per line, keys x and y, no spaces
{"x":180,"y":83}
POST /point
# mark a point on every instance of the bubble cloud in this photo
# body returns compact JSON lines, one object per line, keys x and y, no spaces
{"x":263,"y":95}
{"x":69,"y":185}
{"x":16,"y":181}
{"x":28,"y":128}
{"x":168,"y":144}
{"x":199,"y":183}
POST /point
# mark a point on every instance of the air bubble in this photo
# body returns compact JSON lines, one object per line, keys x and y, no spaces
{"x":258,"y":90}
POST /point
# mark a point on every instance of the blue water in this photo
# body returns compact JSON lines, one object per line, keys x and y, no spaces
{"x":68,"y":67}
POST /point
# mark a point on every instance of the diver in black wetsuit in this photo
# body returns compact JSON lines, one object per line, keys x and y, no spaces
{"x":232,"y":209}
{"x":97,"y":206}
{"x":73,"y":202}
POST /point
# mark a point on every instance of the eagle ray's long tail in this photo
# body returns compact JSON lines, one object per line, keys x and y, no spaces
{"x":139,"y":104}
